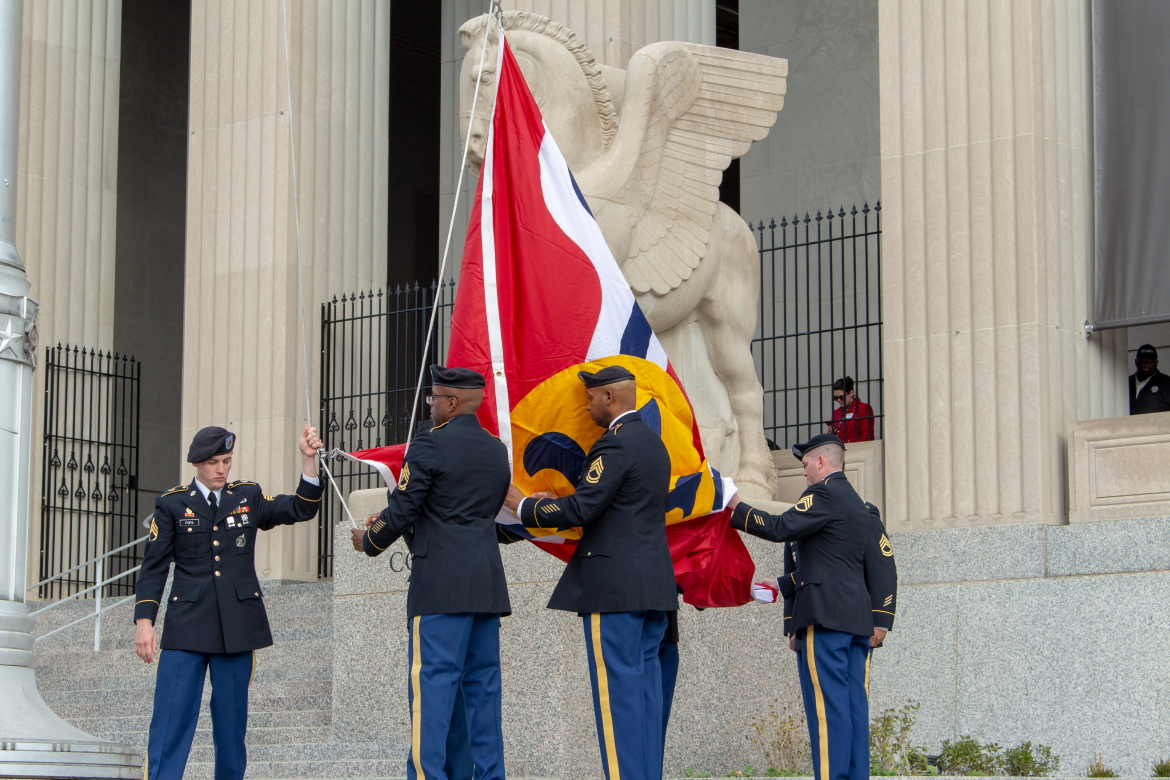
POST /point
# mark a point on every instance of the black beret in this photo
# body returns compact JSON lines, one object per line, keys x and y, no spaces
{"x":1146,"y":351}
{"x":209,"y":442}
{"x":458,"y":378}
{"x":606,"y":376}
{"x":819,"y":440}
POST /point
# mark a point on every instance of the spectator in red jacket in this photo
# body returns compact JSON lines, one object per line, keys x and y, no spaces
{"x":852,"y":418}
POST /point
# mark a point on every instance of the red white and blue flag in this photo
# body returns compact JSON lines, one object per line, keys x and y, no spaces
{"x":540,"y":297}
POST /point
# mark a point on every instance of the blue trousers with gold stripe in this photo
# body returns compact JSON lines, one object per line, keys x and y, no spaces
{"x":626,"y":674}
{"x":452,"y":656}
{"x":834,"y":669}
{"x":178,"y":689}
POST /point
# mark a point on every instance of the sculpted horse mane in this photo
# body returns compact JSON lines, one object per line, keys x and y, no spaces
{"x":535,"y":23}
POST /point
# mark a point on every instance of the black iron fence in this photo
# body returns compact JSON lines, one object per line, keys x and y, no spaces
{"x":371,"y":349}
{"x":820,"y":321}
{"x":89,"y":475}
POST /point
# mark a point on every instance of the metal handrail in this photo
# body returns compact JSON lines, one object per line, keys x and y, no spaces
{"x":91,"y":561}
{"x":96,"y":615}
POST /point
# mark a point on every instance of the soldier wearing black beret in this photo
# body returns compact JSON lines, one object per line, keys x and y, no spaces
{"x":620,"y":578}
{"x":451,"y":487}
{"x":215,"y":611}
{"x":828,"y":606}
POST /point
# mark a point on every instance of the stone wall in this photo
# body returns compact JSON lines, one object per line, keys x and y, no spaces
{"x":1053,"y":634}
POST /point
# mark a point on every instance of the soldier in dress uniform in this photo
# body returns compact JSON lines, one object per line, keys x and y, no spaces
{"x":215,"y":611}
{"x":452,"y":486}
{"x":831,"y":624}
{"x":620,"y":578}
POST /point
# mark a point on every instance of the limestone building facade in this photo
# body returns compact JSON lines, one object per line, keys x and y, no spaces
{"x":163,"y":199}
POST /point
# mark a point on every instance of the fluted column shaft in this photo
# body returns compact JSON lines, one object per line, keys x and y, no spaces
{"x":986,"y":259}
{"x":243,"y":366}
{"x":615,"y":29}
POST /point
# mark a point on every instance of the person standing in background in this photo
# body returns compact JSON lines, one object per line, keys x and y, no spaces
{"x":852,"y":417}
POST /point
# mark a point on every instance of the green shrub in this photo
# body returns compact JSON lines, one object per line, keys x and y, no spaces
{"x":968,"y":756}
{"x":1162,"y":767}
{"x":692,"y":772}
{"x":890,"y":751}
{"x":1097,"y":768}
{"x":1028,"y":760}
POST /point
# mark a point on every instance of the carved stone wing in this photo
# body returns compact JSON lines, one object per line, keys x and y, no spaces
{"x":688,"y":111}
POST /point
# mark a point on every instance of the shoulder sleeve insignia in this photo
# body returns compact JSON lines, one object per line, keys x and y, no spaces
{"x":404,"y":478}
{"x":805,"y":503}
{"x":153,"y":531}
{"x":593,"y":476}
{"x":885,"y":546}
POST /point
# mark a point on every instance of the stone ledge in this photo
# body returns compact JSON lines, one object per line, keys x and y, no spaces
{"x":1116,"y":468}
{"x":1032,"y":550}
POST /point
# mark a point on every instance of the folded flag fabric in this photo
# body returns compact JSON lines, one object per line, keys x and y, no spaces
{"x":764,"y":593}
{"x":541,"y":298}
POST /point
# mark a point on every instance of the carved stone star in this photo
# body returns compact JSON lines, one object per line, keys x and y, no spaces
{"x":10,"y":339}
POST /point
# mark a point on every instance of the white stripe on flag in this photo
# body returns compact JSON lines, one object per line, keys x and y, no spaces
{"x":490,"y":291}
{"x":382,"y":469}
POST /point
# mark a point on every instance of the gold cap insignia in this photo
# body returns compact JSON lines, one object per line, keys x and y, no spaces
{"x":404,"y":479}
{"x":593,"y":476}
{"x":804,"y":504}
{"x":885,"y":546}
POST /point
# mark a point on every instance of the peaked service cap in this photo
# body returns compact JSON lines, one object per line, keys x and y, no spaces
{"x":209,"y":442}
{"x":458,"y":378}
{"x":819,"y":440}
{"x":606,"y":376}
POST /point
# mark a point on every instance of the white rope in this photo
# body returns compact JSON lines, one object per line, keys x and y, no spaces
{"x":498,"y":11}
{"x":292,"y":145}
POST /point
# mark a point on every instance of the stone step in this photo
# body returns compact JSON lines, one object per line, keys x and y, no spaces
{"x":58,"y":677}
{"x":304,"y":752}
{"x":123,"y":702}
{"x":349,"y":770}
{"x":255,"y":736}
{"x":256,"y":720}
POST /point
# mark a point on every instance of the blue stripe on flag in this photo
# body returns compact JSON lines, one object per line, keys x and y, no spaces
{"x":684,"y":493}
{"x":580,"y":197}
{"x":718,"y":502}
{"x":652,"y":416}
{"x":636,"y":339}
{"x":554,"y":451}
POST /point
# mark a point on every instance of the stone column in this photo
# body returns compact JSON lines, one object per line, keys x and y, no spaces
{"x":68,"y":181}
{"x":34,"y":742}
{"x":243,"y":366}
{"x":615,"y":29}
{"x":71,"y":60}
{"x":986,"y":259}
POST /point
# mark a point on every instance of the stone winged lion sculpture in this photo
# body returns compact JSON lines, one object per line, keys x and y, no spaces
{"x":648,"y":147}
